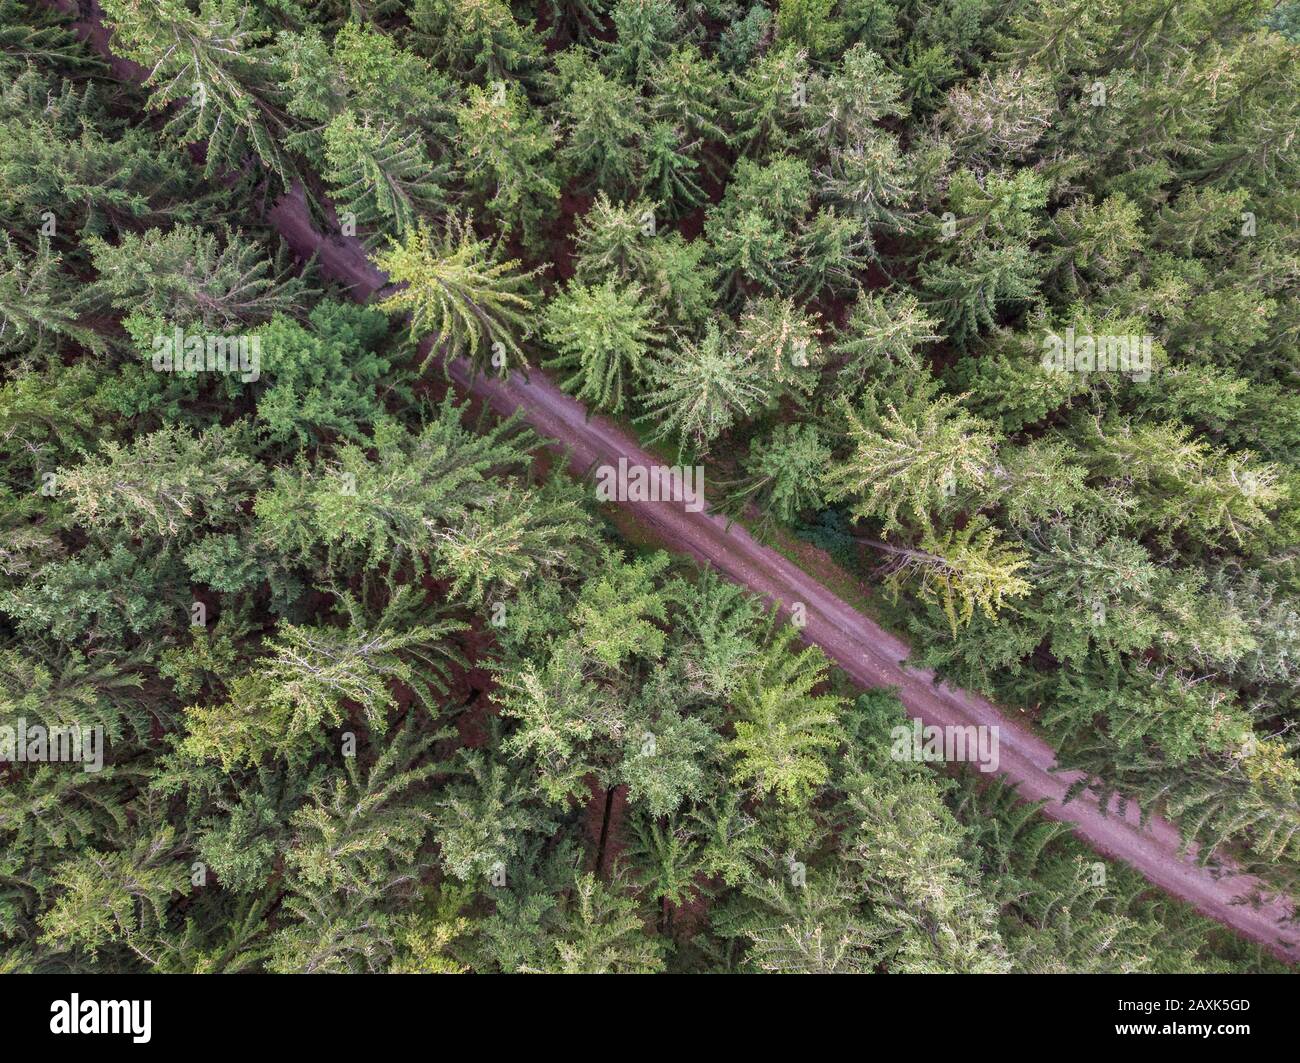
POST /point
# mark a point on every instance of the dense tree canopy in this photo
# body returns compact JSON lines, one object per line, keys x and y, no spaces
{"x":996,"y":302}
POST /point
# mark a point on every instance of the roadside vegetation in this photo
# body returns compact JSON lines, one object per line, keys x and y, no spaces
{"x":994,"y":302}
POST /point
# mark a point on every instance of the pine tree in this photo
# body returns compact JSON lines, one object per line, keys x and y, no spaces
{"x":962,"y":570}
{"x":37,"y":35}
{"x":361,"y":833}
{"x":623,"y":241}
{"x":913,"y":463}
{"x":515,"y":537}
{"x":563,"y":719}
{"x":219,"y":67}
{"x":776,"y":334}
{"x":100,"y":594}
{"x":783,"y":473}
{"x":311,"y":674}
{"x":508,"y":158}
{"x":969,"y":294}
{"x":391,"y":508}
{"x":115,"y":897}
{"x":644,"y":31}
{"x":190,"y":276}
{"x":869,"y":182}
{"x":721,"y":632}
{"x":753,"y":230}
{"x":476,"y":40}
{"x":382,"y":175}
{"x":702,"y":389}
{"x":165,"y":484}
{"x":39,"y":310}
{"x":481,"y":818}
{"x":880,"y":340}
{"x":603,"y":124}
{"x":1183,"y":482}
{"x":771,"y":97}
{"x":1001,"y":116}
{"x":667,"y":763}
{"x":912,"y":876}
{"x":63,"y":155}
{"x":668,"y":174}
{"x":614,"y":240}
{"x":784,"y":733}
{"x":322,"y":376}
{"x":809,"y":24}
{"x":328,"y":933}
{"x":601,"y":336}
{"x":460,"y":291}
{"x":832,"y":251}
{"x":810,"y":929}
{"x":689,"y":94}
{"x":847,"y":105}
{"x":616,"y":612}
{"x":601,"y":932}
{"x":60,"y":687}
{"x":669,"y":861}
{"x":575,"y":19}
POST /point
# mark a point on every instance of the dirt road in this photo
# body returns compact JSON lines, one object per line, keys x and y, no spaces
{"x":871,"y":655}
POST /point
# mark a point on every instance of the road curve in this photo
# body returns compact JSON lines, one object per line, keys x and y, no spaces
{"x":871,"y":655}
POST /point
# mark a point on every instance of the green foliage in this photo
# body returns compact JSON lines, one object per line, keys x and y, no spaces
{"x":624,"y":241}
{"x":311,"y":676}
{"x":217,"y":73}
{"x":614,"y":616}
{"x":65,"y":159}
{"x":460,"y":291}
{"x":475,"y":39}
{"x":322,"y":378}
{"x":101,"y":593}
{"x":784,"y":733}
{"x":382,"y":175}
{"x":517,"y":536}
{"x":809,"y":24}
{"x":644,"y":30}
{"x":602,"y":933}
{"x":964,"y":570}
{"x":188,"y":276}
{"x":376,"y":511}
{"x":911,"y":463}
{"x":121,"y":893}
{"x":508,"y":158}
{"x":703,"y":388}
{"x":480,"y":819}
{"x":38,"y":309}
{"x":601,"y":336}
{"x":382,"y":689}
{"x":879,"y":342}
{"x":603,"y":127}
{"x":164,"y":484}
{"x":784,"y":472}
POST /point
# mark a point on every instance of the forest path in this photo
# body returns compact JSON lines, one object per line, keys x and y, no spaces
{"x":870,"y":655}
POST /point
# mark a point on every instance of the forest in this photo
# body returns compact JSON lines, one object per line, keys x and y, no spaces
{"x":984,"y":312}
